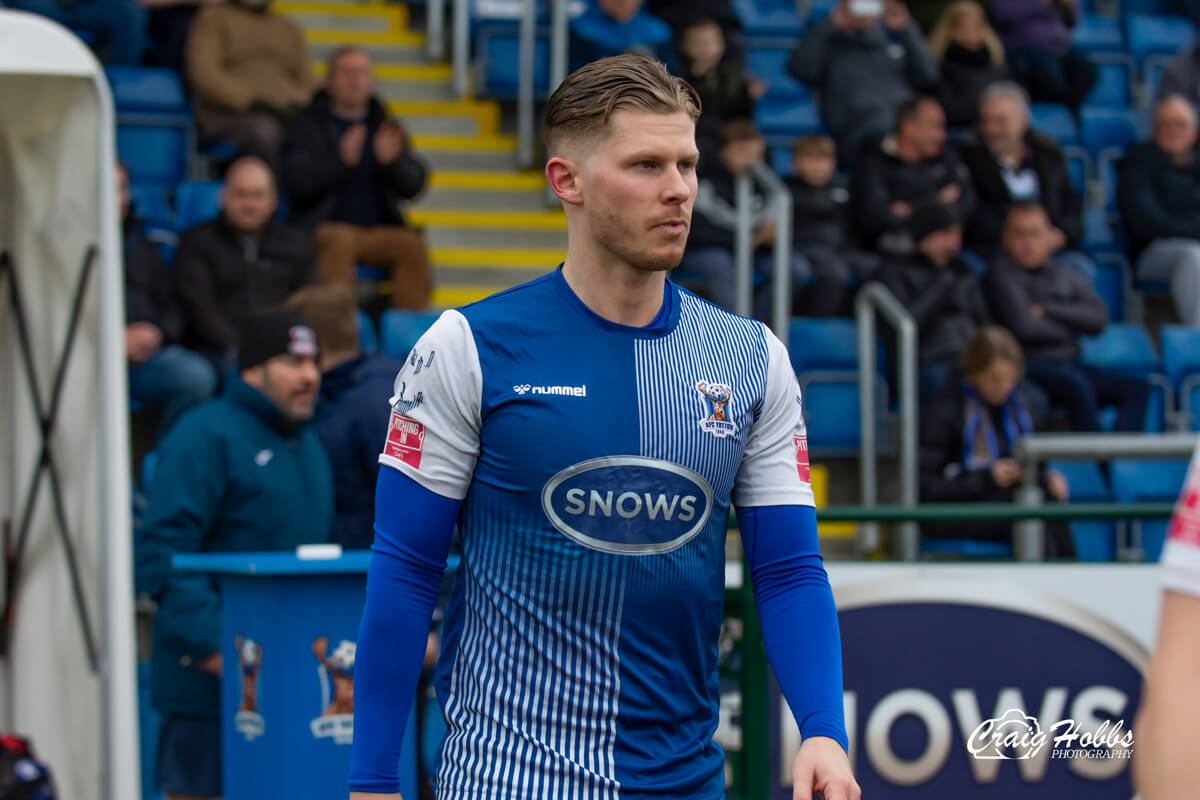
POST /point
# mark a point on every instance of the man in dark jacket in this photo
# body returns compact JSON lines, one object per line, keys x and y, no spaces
{"x":162,"y":374}
{"x":348,"y":170}
{"x":1160,"y":205}
{"x":1048,"y":306}
{"x":240,"y":262}
{"x":243,"y":473}
{"x":940,"y":292}
{"x":1011,"y":163}
{"x":863,"y":67}
{"x":352,"y":414}
{"x":909,"y":168}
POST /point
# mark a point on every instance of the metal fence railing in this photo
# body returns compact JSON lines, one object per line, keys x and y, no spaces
{"x":779,"y":201}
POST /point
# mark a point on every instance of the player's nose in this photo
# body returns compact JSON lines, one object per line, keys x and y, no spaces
{"x":678,"y":188}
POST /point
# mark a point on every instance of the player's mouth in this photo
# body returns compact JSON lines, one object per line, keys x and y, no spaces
{"x":676,"y":227}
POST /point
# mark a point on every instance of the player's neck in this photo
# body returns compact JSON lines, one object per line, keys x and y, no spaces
{"x":616,"y":291}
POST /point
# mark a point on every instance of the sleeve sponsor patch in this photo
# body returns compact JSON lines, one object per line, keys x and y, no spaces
{"x":1185,"y":525}
{"x":800,"y":440}
{"x":405,"y":439}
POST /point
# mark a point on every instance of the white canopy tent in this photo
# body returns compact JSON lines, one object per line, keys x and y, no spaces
{"x":59,"y":229}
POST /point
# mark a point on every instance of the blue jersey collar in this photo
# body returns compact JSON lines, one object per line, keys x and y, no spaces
{"x":663,"y":323}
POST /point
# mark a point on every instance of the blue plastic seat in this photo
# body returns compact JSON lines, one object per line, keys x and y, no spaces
{"x":1148,"y":482}
{"x":1095,"y":540}
{"x":147,"y":90}
{"x":196,"y":202}
{"x":1110,"y":129}
{"x":150,"y":204}
{"x":1096,"y":33}
{"x":400,"y":330}
{"x":1181,"y":362}
{"x":1114,"y":85}
{"x":1157,"y":35}
{"x":1079,"y":168}
{"x":767,"y":18}
{"x":1098,"y":233}
{"x":1055,"y":121}
{"x":793,"y":117}
{"x":153,"y":153}
{"x":1110,"y":281}
{"x":769,"y":64}
{"x":499,"y":63}
{"x":1123,"y":347}
{"x":368,"y":337}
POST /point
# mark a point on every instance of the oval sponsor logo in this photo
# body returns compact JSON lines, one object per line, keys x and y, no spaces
{"x":631,"y":505}
{"x":990,"y":690}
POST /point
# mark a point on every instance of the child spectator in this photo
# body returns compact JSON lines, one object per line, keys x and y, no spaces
{"x":720,"y":79}
{"x":968,"y":439}
{"x":971,"y":58}
{"x":821,"y":227}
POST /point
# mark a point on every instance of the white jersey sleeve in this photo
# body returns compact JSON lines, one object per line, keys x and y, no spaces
{"x":1181,"y":555}
{"x":433,"y":433}
{"x":774,"y":470}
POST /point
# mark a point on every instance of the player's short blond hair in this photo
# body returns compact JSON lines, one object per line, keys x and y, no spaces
{"x":584,"y":103}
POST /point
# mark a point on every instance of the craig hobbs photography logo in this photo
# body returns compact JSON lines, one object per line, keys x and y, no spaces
{"x":1015,"y":735}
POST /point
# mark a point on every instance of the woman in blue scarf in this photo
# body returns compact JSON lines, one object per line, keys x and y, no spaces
{"x":968,"y":438}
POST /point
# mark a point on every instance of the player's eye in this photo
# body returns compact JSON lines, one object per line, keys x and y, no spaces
{"x":687,"y":166}
{"x":646,"y":165}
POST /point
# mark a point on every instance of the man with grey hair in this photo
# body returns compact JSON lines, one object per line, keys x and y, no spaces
{"x":1159,"y":199}
{"x":1011,"y":163}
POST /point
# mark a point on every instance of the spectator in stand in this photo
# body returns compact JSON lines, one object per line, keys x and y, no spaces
{"x":719,"y":78}
{"x":714,"y":224}
{"x":239,"y":263}
{"x":821,"y":228}
{"x":1159,"y":197}
{"x":1037,"y":38}
{"x":348,"y":170}
{"x":249,"y":72}
{"x":968,"y":440}
{"x":940,"y":292}
{"x":243,"y":473}
{"x":678,"y":13}
{"x":120,"y":25}
{"x":971,"y":58}
{"x":1048,"y":306}
{"x":909,"y":168}
{"x":612,"y":27}
{"x":1181,"y":76}
{"x":162,"y":375}
{"x":1011,"y":163}
{"x":352,"y":413}
{"x":927,"y":13}
{"x":863,"y":66}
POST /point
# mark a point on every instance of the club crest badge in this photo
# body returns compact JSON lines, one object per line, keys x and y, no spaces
{"x":716,"y":398}
{"x":248,"y":721}
{"x":336,"y":673}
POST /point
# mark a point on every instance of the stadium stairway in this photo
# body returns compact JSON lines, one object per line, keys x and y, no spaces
{"x":487,"y":223}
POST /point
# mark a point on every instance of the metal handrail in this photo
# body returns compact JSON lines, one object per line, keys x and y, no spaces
{"x":461,"y":46}
{"x":1034,"y":449}
{"x":871,"y":298}
{"x":779,"y":200}
{"x":559,"y":42}
{"x":435,"y":29}
{"x":525,"y":71}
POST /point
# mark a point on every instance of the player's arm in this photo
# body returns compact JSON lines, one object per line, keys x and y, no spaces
{"x":427,"y":464}
{"x":795,"y":605}
{"x":1168,"y":725}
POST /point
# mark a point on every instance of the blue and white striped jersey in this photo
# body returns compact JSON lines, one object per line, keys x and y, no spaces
{"x":596,"y":463}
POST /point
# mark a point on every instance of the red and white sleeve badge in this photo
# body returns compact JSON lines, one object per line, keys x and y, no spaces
{"x":405,"y":438}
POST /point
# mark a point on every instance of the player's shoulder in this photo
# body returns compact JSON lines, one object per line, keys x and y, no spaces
{"x":501,"y":306}
{"x":735,"y":327}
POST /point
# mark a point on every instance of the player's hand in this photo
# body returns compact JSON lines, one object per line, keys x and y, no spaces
{"x":821,"y":767}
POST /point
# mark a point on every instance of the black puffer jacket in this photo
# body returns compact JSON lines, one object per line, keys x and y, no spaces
{"x":1158,"y":198}
{"x":945,"y":302}
{"x":1070,"y":307}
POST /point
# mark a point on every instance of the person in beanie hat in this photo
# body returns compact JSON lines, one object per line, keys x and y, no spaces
{"x":244,"y":472}
{"x":939,"y":290}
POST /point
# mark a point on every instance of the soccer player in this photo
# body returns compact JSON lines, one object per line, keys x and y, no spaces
{"x":1168,"y":726}
{"x":589,"y":431}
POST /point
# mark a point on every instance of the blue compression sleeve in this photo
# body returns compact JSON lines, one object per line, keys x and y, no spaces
{"x":798,"y":617}
{"x":413,"y":531}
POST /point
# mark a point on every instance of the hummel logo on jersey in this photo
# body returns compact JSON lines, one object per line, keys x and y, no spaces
{"x":563,"y":391}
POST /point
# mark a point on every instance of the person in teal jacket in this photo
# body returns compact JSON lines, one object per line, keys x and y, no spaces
{"x":241,"y":473}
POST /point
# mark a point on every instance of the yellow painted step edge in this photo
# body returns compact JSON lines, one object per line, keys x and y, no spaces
{"x":452,"y":296}
{"x":486,"y":114}
{"x":398,"y":14}
{"x":496,"y":259}
{"x":489,"y":181}
{"x":520,"y":220}
{"x":398,"y":38}
{"x":491,"y":144}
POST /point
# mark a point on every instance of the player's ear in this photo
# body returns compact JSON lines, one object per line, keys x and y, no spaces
{"x":563,"y":176}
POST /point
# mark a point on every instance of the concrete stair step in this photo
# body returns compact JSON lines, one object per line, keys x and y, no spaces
{"x":372,"y":18}
{"x":481,"y":229}
{"x":455,"y":296}
{"x":462,"y":118}
{"x":471,"y":153}
{"x":502,"y":279}
{"x":496,"y":191}
{"x":496,"y":239}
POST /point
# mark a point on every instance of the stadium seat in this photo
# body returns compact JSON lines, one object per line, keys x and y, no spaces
{"x":1098,"y":233}
{"x":149,"y":204}
{"x":153,"y":153}
{"x":368,"y":337}
{"x":1095,"y":540}
{"x":763,"y":18}
{"x":780,"y":158}
{"x":1114,"y":82}
{"x":1096,"y":33}
{"x":1129,"y":7}
{"x":1124,"y":347}
{"x":499,"y":63}
{"x":793,"y":117}
{"x":1112,"y":270}
{"x":1079,"y":168}
{"x":769,"y":64}
{"x":400,"y":330}
{"x":151,"y":90}
{"x":196,"y":202}
{"x":1110,"y":129}
{"x":1181,"y":362}
{"x":1143,"y":482}
{"x":1055,"y":121}
{"x":1157,"y":35}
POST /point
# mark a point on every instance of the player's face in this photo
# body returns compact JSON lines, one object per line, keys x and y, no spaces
{"x":639,"y":185}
